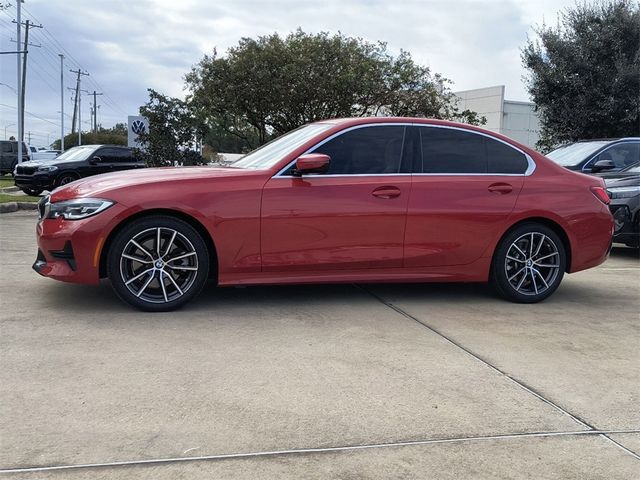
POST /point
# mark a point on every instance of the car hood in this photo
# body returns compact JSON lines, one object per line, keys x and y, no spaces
{"x":37,"y":163}
{"x":630,"y":180}
{"x":101,"y":185}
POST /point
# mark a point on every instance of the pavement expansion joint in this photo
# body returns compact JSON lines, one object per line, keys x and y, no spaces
{"x":319,"y":450}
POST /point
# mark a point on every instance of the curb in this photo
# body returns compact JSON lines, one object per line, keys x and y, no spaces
{"x":9,"y":207}
{"x":9,"y":189}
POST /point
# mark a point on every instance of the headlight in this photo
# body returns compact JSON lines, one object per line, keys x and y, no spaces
{"x":77,"y":208}
{"x":50,"y":168}
{"x":624,"y":192}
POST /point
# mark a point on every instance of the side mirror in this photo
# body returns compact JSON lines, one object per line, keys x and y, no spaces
{"x":95,"y":160}
{"x":602,"y":165}
{"x":312,"y":163}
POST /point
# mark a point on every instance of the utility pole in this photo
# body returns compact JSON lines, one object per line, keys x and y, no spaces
{"x":61,"y":102}
{"x":95,"y":112}
{"x":29,"y":138}
{"x":19,"y":72}
{"x":27,"y":25}
{"x":78,"y":105}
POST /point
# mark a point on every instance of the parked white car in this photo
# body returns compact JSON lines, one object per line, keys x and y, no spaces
{"x":37,"y":154}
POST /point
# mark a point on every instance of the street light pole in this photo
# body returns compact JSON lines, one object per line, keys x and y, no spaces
{"x":5,"y":129}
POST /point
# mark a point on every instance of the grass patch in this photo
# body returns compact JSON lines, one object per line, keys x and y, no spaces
{"x":6,"y":181}
{"x":4,"y":198}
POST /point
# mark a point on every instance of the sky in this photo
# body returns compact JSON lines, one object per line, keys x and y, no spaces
{"x":128,"y":46}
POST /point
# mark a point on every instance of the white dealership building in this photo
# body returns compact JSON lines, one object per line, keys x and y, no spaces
{"x":517,"y":120}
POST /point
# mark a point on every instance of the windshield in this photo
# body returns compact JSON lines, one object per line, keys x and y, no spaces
{"x":574,"y":153}
{"x":76,"y":154}
{"x":271,"y":153}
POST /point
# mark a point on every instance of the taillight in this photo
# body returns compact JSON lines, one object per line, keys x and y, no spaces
{"x":601,"y":194}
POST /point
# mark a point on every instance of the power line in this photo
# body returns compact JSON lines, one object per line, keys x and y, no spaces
{"x":29,"y":113}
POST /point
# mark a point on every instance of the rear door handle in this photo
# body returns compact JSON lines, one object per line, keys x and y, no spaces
{"x":500,"y":188}
{"x":386,"y":192}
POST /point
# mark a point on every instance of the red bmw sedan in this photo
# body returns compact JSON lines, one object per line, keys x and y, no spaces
{"x":350,"y":200}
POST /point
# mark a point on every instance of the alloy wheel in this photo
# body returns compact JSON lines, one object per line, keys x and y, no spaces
{"x":159,"y":265}
{"x":532,"y":263}
{"x":66,"y":179}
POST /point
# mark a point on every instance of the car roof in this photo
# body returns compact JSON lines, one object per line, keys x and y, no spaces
{"x":352,"y":121}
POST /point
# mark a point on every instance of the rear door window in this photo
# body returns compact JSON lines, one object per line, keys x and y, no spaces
{"x":446,"y":150}
{"x":453,"y":151}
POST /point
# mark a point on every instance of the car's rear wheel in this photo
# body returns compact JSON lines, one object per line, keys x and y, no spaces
{"x":158,"y":263}
{"x":66,"y":178}
{"x":529,"y":263}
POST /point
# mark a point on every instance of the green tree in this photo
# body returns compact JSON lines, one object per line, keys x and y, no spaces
{"x":116,"y":135}
{"x":173,"y":130}
{"x":584,"y":74}
{"x":268,"y":86}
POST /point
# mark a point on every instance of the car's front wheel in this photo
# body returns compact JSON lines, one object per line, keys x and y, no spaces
{"x":32,"y":192}
{"x":66,"y":178}
{"x":158,"y":263}
{"x":529,"y":263}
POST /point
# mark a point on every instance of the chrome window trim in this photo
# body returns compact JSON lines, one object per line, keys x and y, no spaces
{"x":530,"y":169}
{"x":608,"y":147}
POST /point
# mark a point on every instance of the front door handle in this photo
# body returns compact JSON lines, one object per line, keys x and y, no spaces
{"x":500,"y":188}
{"x":386,"y":192}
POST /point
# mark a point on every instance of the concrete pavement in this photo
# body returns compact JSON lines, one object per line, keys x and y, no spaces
{"x":85,"y":379}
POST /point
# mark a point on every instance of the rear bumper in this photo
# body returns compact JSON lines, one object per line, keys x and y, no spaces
{"x":591,"y":238}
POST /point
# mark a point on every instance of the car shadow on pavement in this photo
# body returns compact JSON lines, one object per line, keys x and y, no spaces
{"x":625,"y":252}
{"x":101,"y":299}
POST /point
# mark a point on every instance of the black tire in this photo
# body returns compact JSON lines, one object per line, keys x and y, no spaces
{"x":66,"y":178}
{"x":33,"y":193}
{"x":158,"y":260}
{"x":525,"y":273}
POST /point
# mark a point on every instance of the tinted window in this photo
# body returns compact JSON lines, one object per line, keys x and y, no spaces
{"x":368,"y":150}
{"x":122,"y":155}
{"x":113,"y":155}
{"x":6,"y":147}
{"x":504,"y":159}
{"x":622,"y":155}
{"x":445,"y":150}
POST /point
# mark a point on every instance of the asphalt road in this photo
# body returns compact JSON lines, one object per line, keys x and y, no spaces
{"x":344,"y":381}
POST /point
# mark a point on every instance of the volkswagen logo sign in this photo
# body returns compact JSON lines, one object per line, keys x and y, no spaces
{"x":138,"y":127}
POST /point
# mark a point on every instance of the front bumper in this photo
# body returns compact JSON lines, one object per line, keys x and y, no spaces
{"x":70,"y":250}
{"x":34,"y":182}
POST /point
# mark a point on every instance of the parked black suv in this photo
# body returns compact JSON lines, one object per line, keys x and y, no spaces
{"x":594,"y":156}
{"x":78,"y":162}
{"x":9,"y":155}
